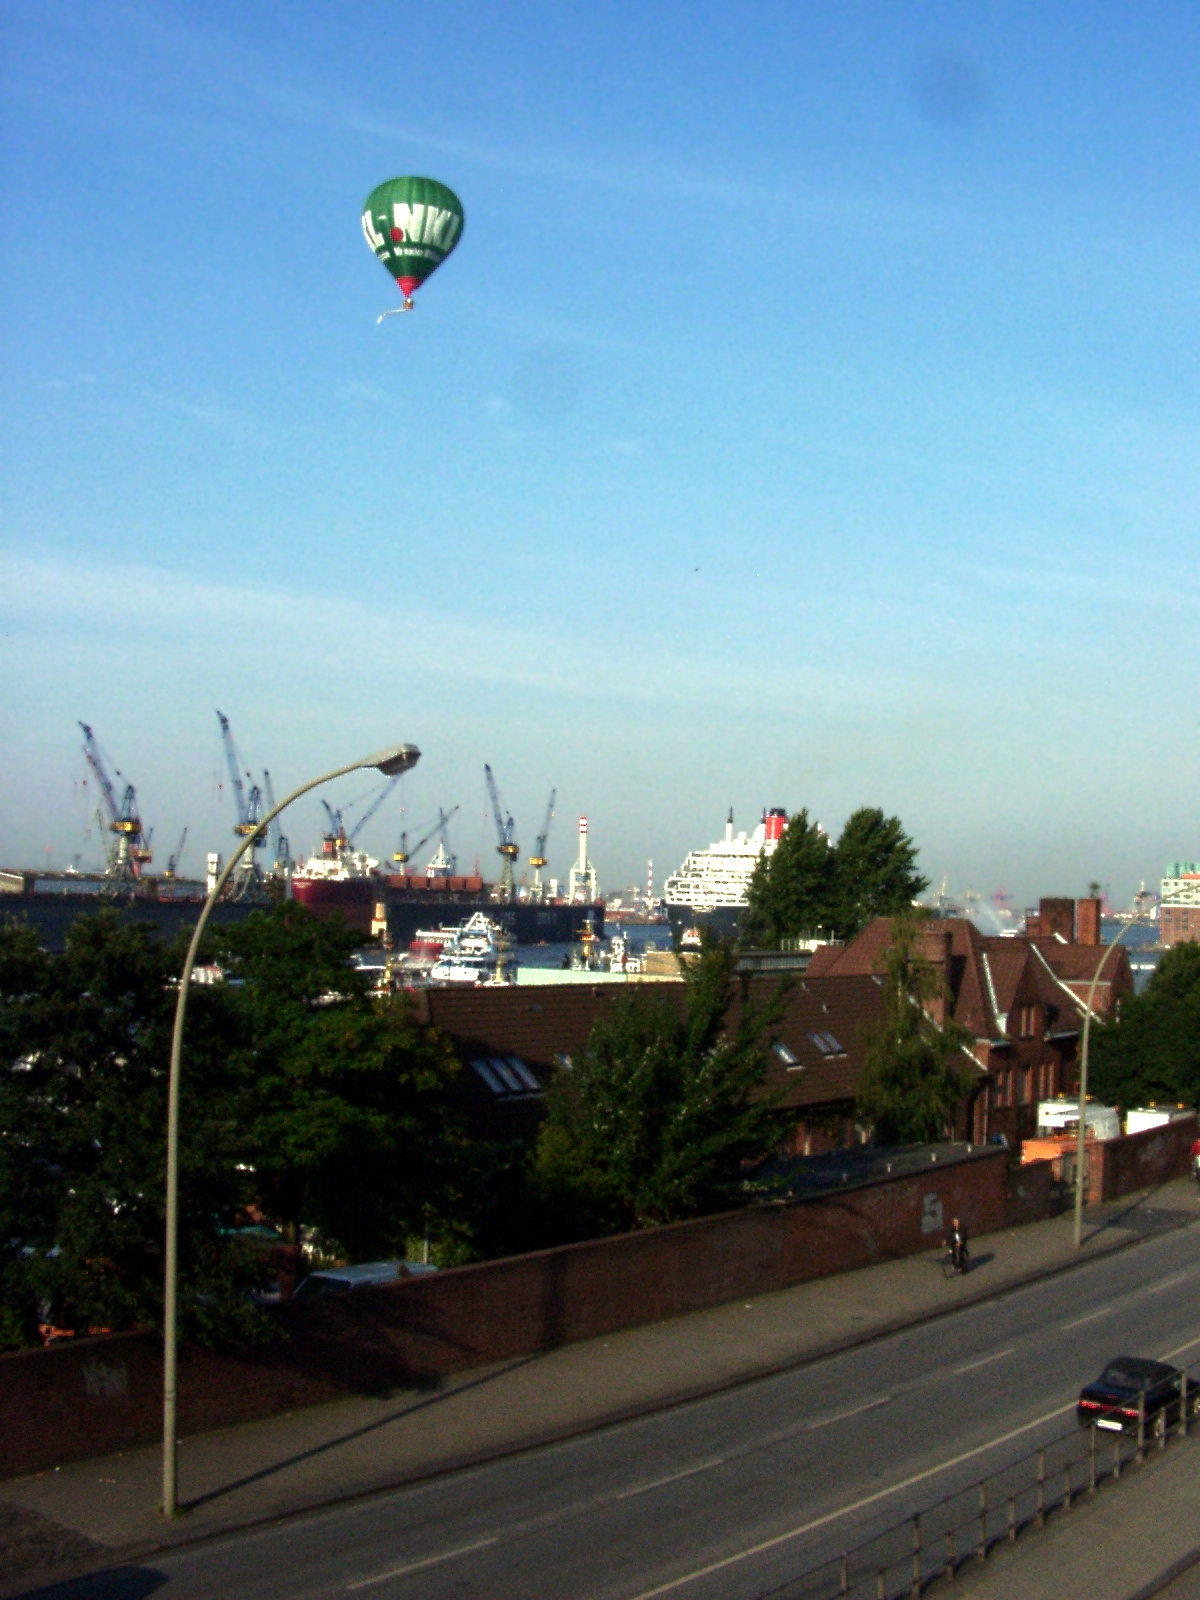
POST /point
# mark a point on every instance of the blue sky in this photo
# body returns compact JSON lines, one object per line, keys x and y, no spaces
{"x":807,"y":417}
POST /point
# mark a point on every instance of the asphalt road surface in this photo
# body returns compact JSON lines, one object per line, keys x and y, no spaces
{"x":729,"y":1497}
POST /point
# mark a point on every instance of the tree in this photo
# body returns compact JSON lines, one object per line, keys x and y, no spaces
{"x":300,"y":1096}
{"x":810,"y":885}
{"x":792,"y":891}
{"x":84,"y":1049}
{"x":915,"y":1077}
{"x":1152,"y":1051}
{"x":347,"y":1103}
{"x":874,"y":871}
{"x":663,"y":1108}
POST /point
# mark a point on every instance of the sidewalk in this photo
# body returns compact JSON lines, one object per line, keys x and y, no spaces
{"x":260,"y":1471}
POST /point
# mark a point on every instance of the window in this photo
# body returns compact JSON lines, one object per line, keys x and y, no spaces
{"x":507,"y":1077}
{"x":782,"y":1053}
{"x":827,"y":1044}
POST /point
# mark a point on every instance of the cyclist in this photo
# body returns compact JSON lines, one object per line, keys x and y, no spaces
{"x":956,"y":1245}
{"x":1195,"y":1154}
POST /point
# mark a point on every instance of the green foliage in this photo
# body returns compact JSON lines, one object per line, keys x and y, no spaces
{"x":875,"y":871}
{"x":300,"y":1095}
{"x":793,"y":890}
{"x":346,"y":1102}
{"x":810,"y":885}
{"x":84,"y":1051}
{"x":915,"y":1076}
{"x":1152,"y":1052}
{"x":662,"y":1110}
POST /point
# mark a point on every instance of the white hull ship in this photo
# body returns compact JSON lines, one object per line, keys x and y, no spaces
{"x":711,"y":889}
{"x":479,"y":953}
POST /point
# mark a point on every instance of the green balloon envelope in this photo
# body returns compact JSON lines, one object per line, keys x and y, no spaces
{"x":412,"y":224}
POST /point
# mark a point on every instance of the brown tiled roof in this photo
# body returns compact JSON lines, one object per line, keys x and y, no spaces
{"x":1076,"y":964}
{"x":986,"y":975}
{"x":538,"y":1025}
{"x":849,"y":1010}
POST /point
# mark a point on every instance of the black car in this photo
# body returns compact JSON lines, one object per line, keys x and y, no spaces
{"x":1112,"y":1401}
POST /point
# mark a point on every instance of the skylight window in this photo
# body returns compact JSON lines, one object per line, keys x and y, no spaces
{"x":827,"y":1044}
{"x":523,"y":1072}
{"x":483,"y":1068}
{"x":507,"y":1077}
{"x":782,"y":1053}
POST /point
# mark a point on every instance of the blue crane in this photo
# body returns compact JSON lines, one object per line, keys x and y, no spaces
{"x":130,"y":849}
{"x":508,"y":847}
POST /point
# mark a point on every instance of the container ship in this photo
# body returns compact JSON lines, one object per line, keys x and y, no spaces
{"x":712,"y":887}
{"x":351,"y":884}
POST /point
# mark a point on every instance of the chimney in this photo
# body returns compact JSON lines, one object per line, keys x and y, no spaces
{"x":1087,"y":922}
{"x":934,"y":944}
{"x":1056,"y":919}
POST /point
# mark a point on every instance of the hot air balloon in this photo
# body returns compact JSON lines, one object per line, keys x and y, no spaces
{"x":412,"y":224}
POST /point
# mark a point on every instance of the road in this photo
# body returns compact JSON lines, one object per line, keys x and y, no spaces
{"x":730,"y":1496}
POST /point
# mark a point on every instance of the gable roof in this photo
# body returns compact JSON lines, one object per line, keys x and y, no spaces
{"x":987,"y":976}
{"x":824,"y":1027}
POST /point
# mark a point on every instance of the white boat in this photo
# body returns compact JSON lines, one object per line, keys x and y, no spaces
{"x":478,"y":953}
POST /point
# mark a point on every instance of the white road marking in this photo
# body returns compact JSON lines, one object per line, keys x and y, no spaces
{"x":1179,"y":1349}
{"x":1104,"y":1311}
{"x":972,"y":1366}
{"x":1169,"y":1283}
{"x":671,"y":1477}
{"x":855,"y":1411}
{"x":429,"y":1561}
{"x":845,"y":1511}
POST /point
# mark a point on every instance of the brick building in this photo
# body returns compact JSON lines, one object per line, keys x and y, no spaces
{"x":1018,"y":998}
{"x":1021,"y":1000}
{"x":1179,"y":903}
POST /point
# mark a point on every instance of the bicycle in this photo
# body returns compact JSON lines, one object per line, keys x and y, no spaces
{"x":955,"y":1261}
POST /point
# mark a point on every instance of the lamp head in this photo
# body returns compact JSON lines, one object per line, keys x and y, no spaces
{"x":399,"y":758}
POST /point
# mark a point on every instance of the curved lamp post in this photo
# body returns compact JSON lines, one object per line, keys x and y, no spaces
{"x":1083,"y":1078}
{"x":399,"y":758}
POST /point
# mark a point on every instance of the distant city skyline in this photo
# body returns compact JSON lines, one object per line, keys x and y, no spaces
{"x":807,"y":417}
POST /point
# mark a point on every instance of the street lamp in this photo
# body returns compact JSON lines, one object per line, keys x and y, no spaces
{"x":391,"y":762}
{"x":1083,"y":1078}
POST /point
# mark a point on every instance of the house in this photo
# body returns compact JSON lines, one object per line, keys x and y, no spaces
{"x":506,"y":1036}
{"x":1066,"y":934}
{"x":1018,"y":999}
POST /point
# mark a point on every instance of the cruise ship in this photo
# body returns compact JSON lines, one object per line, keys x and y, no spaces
{"x":711,"y":888}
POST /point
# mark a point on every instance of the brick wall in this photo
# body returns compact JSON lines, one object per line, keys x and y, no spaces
{"x":1139,"y":1160}
{"x":1033,"y":1193}
{"x":100,"y":1395}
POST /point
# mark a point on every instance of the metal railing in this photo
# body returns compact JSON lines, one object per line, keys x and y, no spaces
{"x":962,"y":1528}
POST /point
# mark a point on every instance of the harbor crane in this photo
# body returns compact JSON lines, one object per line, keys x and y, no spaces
{"x":248,"y":883}
{"x":404,"y":854}
{"x":281,"y":848}
{"x":130,"y":849}
{"x":172,"y":865}
{"x":339,"y":839}
{"x":538,"y":859}
{"x":508,"y":847}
